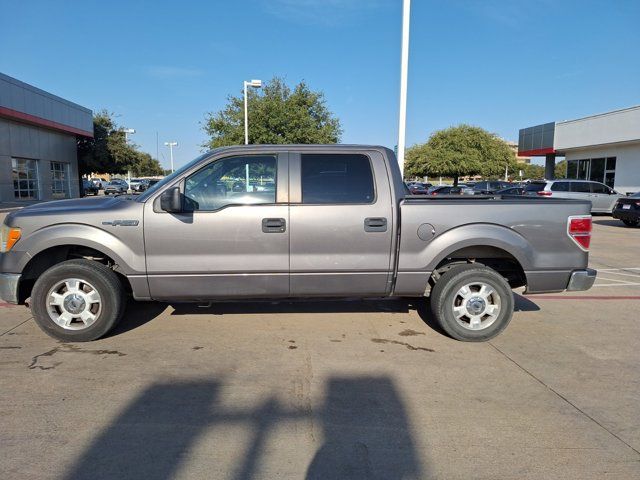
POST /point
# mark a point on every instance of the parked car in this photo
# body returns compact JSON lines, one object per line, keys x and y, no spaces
{"x":602,"y":198}
{"x":89,"y":188}
{"x":511,"y":191}
{"x":445,"y":190}
{"x":99,"y":182}
{"x":627,"y":209}
{"x":417,"y":188}
{"x":138,"y":185}
{"x":490,"y":187}
{"x":116,"y":186}
{"x":338,"y":224}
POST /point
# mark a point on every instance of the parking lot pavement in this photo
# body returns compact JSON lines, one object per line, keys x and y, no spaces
{"x":334,"y":390}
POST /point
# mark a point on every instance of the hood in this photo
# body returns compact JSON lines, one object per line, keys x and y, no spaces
{"x":73,"y":205}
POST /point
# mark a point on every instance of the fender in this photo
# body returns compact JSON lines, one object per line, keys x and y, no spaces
{"x":478,"y":234}
{"x":128,"y":262}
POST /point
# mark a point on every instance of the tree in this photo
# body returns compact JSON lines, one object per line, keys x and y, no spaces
{"x":145,"y":165}
{"x":458,"y":151}
{"x":532,"y":171}
{"x":277,"y":115}
{"x":561,"y":169}
{"x":109,"y":152}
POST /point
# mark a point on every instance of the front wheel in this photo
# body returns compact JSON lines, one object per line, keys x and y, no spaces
{"x":631,"y":223}
{"x":77,"y":300}
{"x":472,"y":303}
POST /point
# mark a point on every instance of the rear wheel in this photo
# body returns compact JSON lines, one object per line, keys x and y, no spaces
{"x":631,"y":223}
{"x":472,"y":303}
{"x":77,"y":300}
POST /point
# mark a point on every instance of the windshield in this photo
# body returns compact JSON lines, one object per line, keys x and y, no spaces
{"x":170,"y":178}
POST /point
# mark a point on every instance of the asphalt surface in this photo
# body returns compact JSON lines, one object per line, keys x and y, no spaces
{"x":333,"y":390}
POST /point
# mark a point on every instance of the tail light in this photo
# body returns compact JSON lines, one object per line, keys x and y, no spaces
{"x":579,"y":229}
{"x":544,"y":193}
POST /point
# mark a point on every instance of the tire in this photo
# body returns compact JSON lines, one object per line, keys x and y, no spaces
{"x":631,"y":223}
{"x":77,"y":300}
{"x":492,"y":306}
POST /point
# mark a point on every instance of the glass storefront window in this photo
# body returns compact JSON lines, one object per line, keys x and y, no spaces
{"x":60,"y":180}
{"x":25,"y":178}
{"x":583,"y":169}
{"x":572,"y":169}
{"x":597,"y":170}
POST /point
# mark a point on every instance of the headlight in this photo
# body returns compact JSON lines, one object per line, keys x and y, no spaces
{"x":8,"y":237}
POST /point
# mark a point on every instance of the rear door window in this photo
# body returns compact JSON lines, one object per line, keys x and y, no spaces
{"x":599,"y":188}
{"x":560,"y":187}
{"x":336,"y":178}
{"x":534,"y":187}
{"x":580,"y":187}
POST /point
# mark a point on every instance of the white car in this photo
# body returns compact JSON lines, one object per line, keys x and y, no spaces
{"x":602,"y":197}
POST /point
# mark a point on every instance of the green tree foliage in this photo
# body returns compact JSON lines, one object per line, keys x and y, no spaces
{"x":561,"y":169}
{"x":146,"y":166}
{"x":458,"y":151}
{"x":109,"y":152}
{"x":277,"y":115}
{"x":532,"y":171}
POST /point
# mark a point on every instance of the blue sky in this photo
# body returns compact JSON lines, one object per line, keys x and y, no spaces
{"x":161,"y":65}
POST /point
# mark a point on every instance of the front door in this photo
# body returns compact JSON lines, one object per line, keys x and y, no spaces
{"x":341,"y":224}
{"x":231,"y":241}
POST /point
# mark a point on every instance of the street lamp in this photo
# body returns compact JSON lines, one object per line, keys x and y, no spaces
{"x":404,"y":68}
{"x":254,"y":84}
{"x":127,"y":131}
{"x":171,"y":145}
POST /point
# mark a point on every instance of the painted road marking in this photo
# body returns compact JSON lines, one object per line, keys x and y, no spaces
{"x":584,"y":297}
{"x":614,"y":280}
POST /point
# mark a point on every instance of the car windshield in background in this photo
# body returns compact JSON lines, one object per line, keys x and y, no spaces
{"x":635,"y":195}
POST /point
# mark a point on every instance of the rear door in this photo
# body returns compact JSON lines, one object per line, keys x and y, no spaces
{"x":341,"y":224}
{"x":603,"y":198}
{"x":581,"y":191}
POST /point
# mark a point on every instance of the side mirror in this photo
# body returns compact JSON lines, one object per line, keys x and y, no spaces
{"x":171,"y":200}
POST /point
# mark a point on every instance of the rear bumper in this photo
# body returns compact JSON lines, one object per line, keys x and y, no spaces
{"x":581,"y":280}
{"x":621,"y":214}
{"x":9,"y":287}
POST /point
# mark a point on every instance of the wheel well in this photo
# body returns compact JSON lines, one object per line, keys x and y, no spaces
{"x":54,"y":255}
{"x":493,"y":257}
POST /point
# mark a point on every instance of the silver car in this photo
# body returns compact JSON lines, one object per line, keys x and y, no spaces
{"x":602,"y":197}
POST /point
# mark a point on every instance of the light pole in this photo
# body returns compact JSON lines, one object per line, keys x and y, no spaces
{"x":128,"y":131}
{"x":126,"y":140}
{"x":171,"y":145}
{"x":254,"y":84}
{"x":404,"y":68}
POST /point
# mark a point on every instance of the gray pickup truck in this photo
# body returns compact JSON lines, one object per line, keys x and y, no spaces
{"x":285,"y":221}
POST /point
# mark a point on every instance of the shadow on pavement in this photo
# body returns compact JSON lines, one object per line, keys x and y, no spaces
{"x":139,"y":313}
{"x":610,"y":223}
{"x":366,"y":433}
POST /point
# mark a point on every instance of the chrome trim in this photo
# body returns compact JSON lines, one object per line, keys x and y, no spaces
{"x":9,"y":287}
{"x":581,"y":280}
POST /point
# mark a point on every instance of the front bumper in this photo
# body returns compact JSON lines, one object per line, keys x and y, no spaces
{"x":581,"y":279}
{"x":9,"y":287}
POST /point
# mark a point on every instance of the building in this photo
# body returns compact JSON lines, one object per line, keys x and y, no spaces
{"x":604,"y":147}
{"x":514,"y":148}
{"x":38,"y":158}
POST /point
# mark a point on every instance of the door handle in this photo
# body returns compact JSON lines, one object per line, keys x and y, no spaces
{"x":375,"y":224}
{"x":274,"y":225}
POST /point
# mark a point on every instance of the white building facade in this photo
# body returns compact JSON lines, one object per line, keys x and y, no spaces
{"x":603,"y":148}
